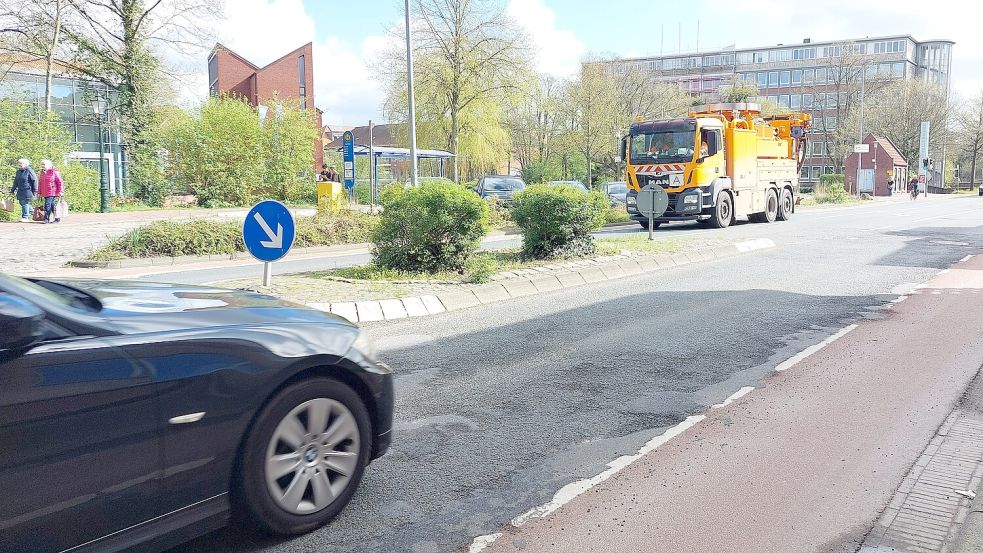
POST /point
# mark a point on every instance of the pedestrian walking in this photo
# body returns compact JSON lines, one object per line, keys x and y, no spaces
{"x":51,"y":188}
{"x":25,"y":187}
{"x":913,"y":188}
{"x":890,"y":187}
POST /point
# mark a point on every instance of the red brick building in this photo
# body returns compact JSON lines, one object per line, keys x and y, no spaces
{"x":289,"y":78}
{"x":882,"y":163}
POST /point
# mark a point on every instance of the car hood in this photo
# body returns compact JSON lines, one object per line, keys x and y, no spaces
{"x":152,"y":307}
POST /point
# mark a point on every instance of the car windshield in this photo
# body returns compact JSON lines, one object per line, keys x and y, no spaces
{"x":617,"y":188}
{"x":503,"y":184}
{"x":575,"y":184}
{"x":662,"y":147}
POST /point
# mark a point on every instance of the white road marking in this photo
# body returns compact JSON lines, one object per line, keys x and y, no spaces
{"x":795,"y":359}
{"x":965,"y":259}
{"x":899,"y":299}
{"x":570,"y":491}
{"x":752,"y":245}
{"x":736,"y":396}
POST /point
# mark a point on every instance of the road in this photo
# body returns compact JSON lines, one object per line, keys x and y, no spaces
{"x":499,"y":407}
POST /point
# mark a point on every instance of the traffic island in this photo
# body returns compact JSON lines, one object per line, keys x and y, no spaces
{"x":364,"y":300}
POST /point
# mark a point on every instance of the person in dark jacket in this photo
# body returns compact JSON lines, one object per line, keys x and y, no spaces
{"x":25,"y":187}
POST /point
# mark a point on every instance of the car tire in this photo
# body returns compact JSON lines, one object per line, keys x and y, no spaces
{"x":786,"y":205}
{"x":723,"y":211}
{"x":645,"y":225}
{"x":266,"y":453}
{"x":770,"y":213}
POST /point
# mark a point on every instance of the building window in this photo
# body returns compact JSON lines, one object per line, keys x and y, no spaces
{"x":807,"y":101}
{"x":808,"y":75}
{"x":773,"y":99}
{"x":796,"y":77}
{"x":816,"y":172}
{"x":897,"y":69}
{"x":821,"y":76}
{"x":830,"y":123}
{"x":759,"y":57}
{"x":795,"y":102}
{"x":804,"y":53}
{"x":783,"y":100}
{"x":745,"y":58}
{"x":762,"y":80}
{"x":831,"y":51}
{"x":786,"y":78}
{"x":302,"y":75}
{"x":773,"y":79}
{"x":213,"y":75}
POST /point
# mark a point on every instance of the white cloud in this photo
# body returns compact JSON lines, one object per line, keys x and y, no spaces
{"x":558,"y":51}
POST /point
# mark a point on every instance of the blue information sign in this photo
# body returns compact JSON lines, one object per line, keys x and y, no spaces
{"x":348,"y":153}
{"x":268,"y":230}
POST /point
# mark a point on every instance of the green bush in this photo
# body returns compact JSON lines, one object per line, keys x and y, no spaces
{"x":435,"y":227}
{"x":173,"y":238}
{"x":616,"y":214}
{"x":499,"y":214}
{"x":558,"y":221}
{"x":339,"y":227}
{"x":81,"y":188}
{"x":224,"y":236}
{"x":832,"y":193}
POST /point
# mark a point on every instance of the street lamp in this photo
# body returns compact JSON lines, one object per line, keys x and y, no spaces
{"x":98,"y":109}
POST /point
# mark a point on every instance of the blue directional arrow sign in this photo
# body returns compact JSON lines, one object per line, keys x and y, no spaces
{"x":269,"y":230}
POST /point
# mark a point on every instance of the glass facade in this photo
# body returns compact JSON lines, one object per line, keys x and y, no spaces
{"x":71,"y":99}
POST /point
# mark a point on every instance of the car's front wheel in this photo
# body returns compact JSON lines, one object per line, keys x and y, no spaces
{"x":304,"y":457}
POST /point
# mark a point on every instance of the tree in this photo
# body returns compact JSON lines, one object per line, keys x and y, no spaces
{"x":898,"y":111}
{"x":117,"y":43}
{"x":34,"y":32}
{"x":534,"y":119}
{"x":849,"y":76}
{"x":738,"y":91}
{"x":467,"y":55}
{"x":969,"y":133}
{"x":593,"y":114}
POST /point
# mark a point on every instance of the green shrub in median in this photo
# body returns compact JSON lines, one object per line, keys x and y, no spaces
{"x":558,"y":221}
{"x":224,"y":236}
{"x":435,"y":227}
{"x":81,"y":188}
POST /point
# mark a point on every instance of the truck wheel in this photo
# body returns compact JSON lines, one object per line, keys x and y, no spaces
{"x":723,"y":211}
{"x":771,"y":208}
{"x":786,"y":205}
{"x":645,"y":225}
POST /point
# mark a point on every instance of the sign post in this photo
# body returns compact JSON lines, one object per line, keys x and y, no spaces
{"x":923,"y":155}
{"x":652,"y":202}
{"x":348,"y":156}
{"x":268,"y":232}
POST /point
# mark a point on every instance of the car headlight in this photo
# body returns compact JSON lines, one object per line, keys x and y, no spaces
{"x":365,"y":346}
{"x":691,"y":199}
{"x":632,"y":200}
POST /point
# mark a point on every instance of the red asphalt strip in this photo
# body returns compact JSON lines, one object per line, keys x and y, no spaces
{"x":805,"y":463}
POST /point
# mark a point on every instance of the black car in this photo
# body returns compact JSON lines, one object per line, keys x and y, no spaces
{"x":500,"y":188}
{"x":148,"y":414}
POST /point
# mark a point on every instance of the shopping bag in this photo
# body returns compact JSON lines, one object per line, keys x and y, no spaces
{"x":6,"y":204}
{"x":38,"y":213}
{"x":61,"y":209}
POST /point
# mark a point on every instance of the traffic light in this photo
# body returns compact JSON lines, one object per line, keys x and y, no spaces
{"x":925,"y":163}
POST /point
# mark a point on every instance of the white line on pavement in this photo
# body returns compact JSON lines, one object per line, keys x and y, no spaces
{"x":570,"y":491}
{"x":795,"y":359}
{"x":965,"y":259}
{"x":734,"y":397}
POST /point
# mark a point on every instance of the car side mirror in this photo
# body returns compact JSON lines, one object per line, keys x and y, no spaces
{"x":20,"y":323}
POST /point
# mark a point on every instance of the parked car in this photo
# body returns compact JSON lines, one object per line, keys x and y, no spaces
{"x":500,"y":188}
{"x":617,"y":191}
{"x":574,"y":183}
{"x":136,"y":414}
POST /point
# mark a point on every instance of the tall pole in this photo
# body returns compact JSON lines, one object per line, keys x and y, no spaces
{"x":371,"y":167}
{"x":412,"y":106}
{"x":103,"y":182}
{"x":863,"y":81}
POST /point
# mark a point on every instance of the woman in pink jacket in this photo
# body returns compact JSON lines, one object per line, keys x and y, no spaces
{"x":51,"y":188}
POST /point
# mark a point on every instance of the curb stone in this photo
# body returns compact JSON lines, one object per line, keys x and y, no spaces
{"x":526,"y":282}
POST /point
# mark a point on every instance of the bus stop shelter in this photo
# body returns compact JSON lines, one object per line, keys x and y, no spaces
{"x":437,"y":159}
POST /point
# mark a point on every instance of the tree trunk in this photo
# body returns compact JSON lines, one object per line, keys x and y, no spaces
{"x":455,"y":142}
{"x":52,"y":51}
{"x":589,"y":172}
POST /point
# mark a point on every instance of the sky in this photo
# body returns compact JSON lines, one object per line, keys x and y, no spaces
{"x":348,"y":35}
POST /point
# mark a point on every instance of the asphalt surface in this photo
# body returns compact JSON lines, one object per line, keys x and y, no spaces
{"x":500,"y":406}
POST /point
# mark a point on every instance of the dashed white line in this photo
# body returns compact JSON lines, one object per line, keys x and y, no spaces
{"x":570,"y":491}
{"x":795,"y":359}
{"x":736,"y":396}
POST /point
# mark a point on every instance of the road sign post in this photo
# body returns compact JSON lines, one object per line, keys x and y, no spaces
{"x":268,"y":233}
{"x":348,"y":157}
{"x":652,"y":202}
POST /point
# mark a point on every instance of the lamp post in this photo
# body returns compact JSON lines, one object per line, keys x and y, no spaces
{"x":98,"y":109}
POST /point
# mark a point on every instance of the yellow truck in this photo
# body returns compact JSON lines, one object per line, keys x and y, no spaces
{"x":721,"y":162}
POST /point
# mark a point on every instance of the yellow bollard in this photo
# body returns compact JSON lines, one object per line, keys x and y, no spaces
{"x":330,"y":196}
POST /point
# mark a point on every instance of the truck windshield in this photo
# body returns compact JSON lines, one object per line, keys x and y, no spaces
{"x":662,"y":147}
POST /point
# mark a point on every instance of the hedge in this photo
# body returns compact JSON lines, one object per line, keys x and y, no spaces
{"x":558,"y":221}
